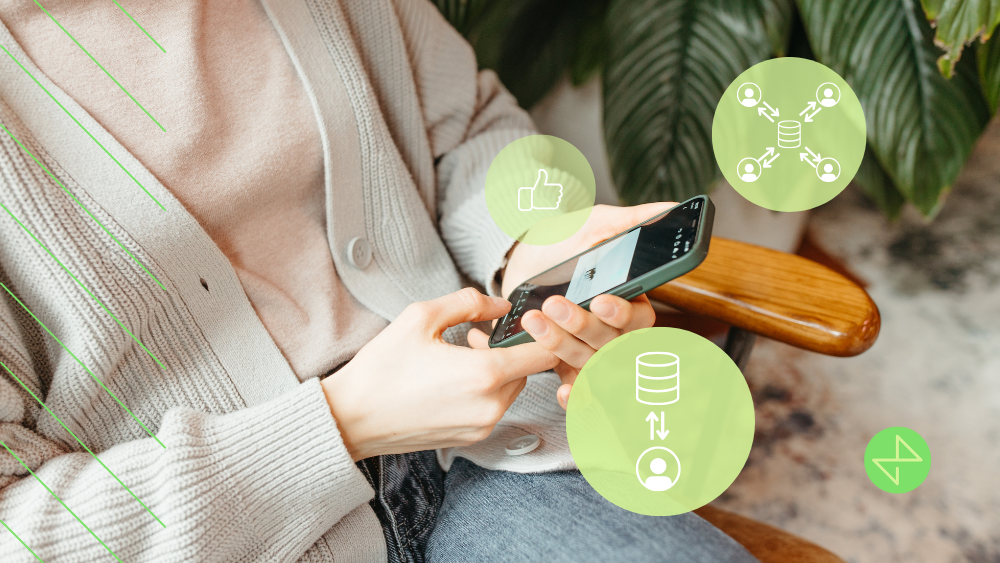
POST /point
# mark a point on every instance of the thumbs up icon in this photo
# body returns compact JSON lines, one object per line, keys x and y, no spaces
{"x":542,"y":195}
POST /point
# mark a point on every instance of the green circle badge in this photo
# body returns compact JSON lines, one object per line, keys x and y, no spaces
{"x":789,"y":134}
{"x":897,"y":460}
{"x":660,"y":421}
{"x":540,"y":190}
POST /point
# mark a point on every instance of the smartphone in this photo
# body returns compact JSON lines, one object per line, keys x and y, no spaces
{"x":646,"y":256}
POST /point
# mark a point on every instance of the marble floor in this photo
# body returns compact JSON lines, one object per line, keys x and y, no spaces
{"x":935,"y":368}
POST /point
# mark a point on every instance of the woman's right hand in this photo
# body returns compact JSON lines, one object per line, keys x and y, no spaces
{"x":409,"y":390}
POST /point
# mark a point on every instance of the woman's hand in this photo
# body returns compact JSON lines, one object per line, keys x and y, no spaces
{"x":567,"y":330}
{"x":408,"y":390}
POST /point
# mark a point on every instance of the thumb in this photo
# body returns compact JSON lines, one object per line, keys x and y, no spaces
{"x":543,"y":178}
{"x":622,"y":218}
{"x":466,"y":305}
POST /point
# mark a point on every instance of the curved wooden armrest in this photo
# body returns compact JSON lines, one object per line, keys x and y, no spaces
{"x":777,"y":295}
{"x":766,"y":543}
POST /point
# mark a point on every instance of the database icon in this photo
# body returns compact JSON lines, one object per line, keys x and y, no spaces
{"x":657,"y":378}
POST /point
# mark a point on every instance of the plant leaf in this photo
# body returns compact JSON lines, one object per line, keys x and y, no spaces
{"x":777,"y":16}
{"x":537,"y":47}
{"x":958,"y":23}
{"x":921,"y":126}
{"x":461,"y":13}
{"x":591,"y":44}
{"x":668,"y":64}
{"x":878,"y":186}
{"x":988,"y":57}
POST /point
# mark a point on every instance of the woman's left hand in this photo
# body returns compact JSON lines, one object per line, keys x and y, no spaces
{"x":570,"y":332}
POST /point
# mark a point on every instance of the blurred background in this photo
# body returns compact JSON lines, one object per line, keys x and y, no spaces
{"x":634,"y":85}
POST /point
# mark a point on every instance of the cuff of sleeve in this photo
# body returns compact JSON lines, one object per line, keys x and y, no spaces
{"x":294,"y":476}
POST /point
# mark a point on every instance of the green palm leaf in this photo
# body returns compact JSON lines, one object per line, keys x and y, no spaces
{"x":877,"y":185}
{"x":777,"y":16}
{"x":988,"y":57}
{"x":920,"y":126}
{"x":461,"y":13}
{"x":667,"y":66}
{"x":958,"y":22}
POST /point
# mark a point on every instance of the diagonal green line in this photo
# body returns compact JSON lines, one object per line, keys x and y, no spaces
{"x":46,"y":407}
{"x":140,"y":27}
{"x":58,"y":499}
{"x":113,"y":79}
{"x":106,"y":151}
{"x":99,"y":302}
{"x":95,"y":378}
{"x":22,"y":541}
{"x":82,"y":206}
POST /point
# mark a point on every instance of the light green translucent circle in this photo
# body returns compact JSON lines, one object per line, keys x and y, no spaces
{"x":540,"y":190}
{"x":660,"y":421}
{"x":783,"y":162}
{"x":897,"y":460}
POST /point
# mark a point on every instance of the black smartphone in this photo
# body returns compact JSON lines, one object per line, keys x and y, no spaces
{"x":648,"y":255}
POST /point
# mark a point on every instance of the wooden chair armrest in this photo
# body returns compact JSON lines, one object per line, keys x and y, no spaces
{"x":777,"y":295}
{"x":766,"y":543}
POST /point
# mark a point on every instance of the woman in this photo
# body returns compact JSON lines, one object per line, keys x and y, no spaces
{"x":231,"y":253}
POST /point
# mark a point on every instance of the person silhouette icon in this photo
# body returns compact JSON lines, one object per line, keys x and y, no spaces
{"x":653,"y":462}
{"x":828,"y":170}
{"x":828,"y":94}
{"x":747,"y":169}
{"x":748,"y":94}
{"x":658,"y":481}
{"x":828,"y":176}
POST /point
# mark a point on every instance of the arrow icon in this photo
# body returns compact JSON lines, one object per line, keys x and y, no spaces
{"x":916,"y":458}
{"x":815,"y":155}
{"x":764,"y":162}
{"x":805,"y":157}
{"x":662,"y":432}
{"x":762,"y":111}
{"x":809,"y":107}
{"x":774,"y":112}
{"x":652,"y":418}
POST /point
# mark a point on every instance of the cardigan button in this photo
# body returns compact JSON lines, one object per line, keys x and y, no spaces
{"x":359,"y":252}
{"x":522,"y":445}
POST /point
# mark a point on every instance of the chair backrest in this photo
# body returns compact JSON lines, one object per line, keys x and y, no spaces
{"x":777,"y":295}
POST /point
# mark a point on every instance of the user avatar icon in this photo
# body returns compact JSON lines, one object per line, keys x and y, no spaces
{"x":828,"y":169}
{"x":748,"y":169}
{"x":655,"y":467}
{"x":749,"y":94}
{"x":828,"y":94}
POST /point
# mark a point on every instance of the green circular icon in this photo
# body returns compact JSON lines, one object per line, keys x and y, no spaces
{"x":789,"y":134}
{"x":660,"y":421}
{"x":897,"y":460}
{"x":540,"y":190}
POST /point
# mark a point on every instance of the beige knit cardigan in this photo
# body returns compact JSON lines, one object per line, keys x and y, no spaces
{"x":247,"y":463}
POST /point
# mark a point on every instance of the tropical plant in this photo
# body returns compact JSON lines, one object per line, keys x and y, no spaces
{"x":927,"y":74}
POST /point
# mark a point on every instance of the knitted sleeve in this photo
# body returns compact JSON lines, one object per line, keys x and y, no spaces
{"x":469,"y":117}
{"x":258,"y":484}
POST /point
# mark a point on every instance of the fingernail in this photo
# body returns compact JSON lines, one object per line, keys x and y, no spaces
{"x":564,"y":397}
{"x":556,"y":310}
{"x":534,"y":326}
{"x":603,"y":309}
{"x":500,"y":302}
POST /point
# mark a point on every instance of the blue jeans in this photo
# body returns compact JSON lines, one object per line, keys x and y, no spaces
{"x":475,"y":514}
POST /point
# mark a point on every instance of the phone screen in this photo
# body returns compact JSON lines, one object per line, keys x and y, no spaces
{"x":604,"y":268}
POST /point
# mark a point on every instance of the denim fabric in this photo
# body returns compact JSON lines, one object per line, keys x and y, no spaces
{"x":503,"y":517}
{"x":408,"y":493}
{"x":497,"y":516}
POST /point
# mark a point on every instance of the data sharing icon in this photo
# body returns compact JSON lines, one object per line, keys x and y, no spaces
{"x":789,"y":132}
